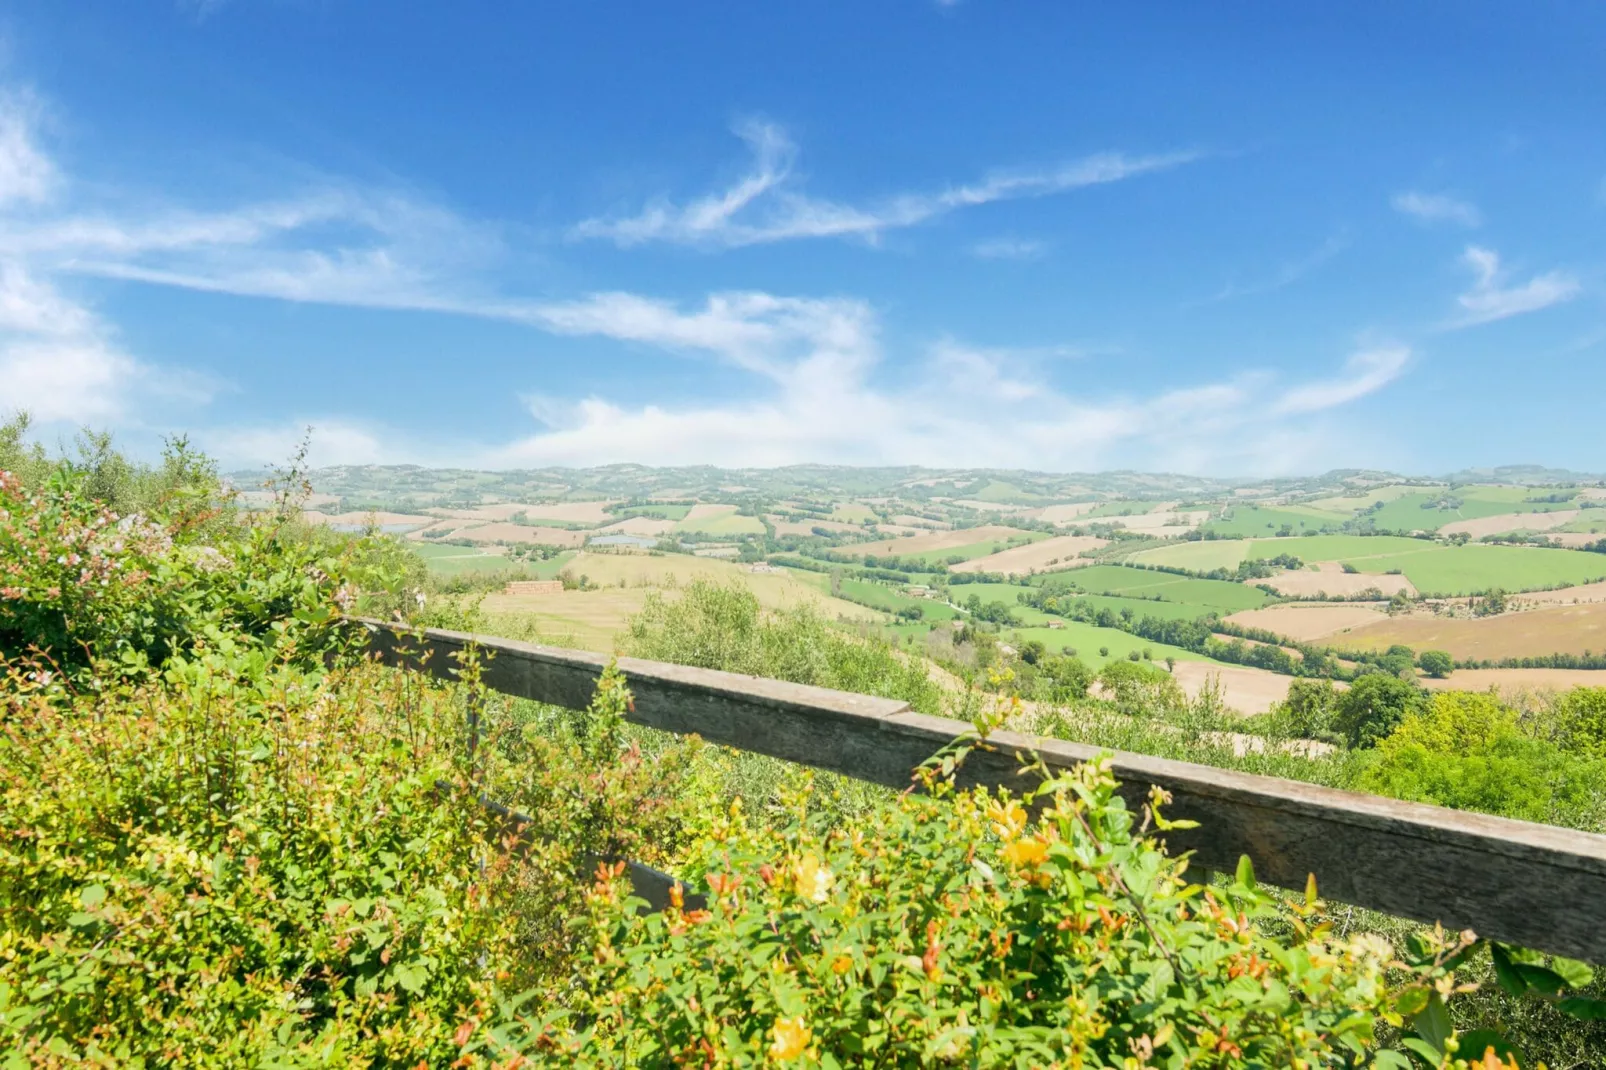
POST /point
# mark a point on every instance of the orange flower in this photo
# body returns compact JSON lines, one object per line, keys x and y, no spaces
{"x":790,"y":1038}
{"x":1025,"y":852}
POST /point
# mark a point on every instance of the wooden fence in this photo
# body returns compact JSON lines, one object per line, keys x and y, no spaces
{"x":1537,"y":886}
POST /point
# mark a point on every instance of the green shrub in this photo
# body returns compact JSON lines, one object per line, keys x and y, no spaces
{"x":717,"y":626}
{"x":1581,"y":717}
{"x":1470,"y":751}
{"x":951,"y":931}
{"x":1373,"y":705}
{"x":1141,"y":688}
{"x":1436,"y":663}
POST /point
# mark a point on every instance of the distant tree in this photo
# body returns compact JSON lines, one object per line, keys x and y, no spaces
{"x":1366,"y":713}
{"x":1492,"y":604}
{"x":1104,"y":651}
{"x":1436,"y":663}
{"x":1170,"y":664}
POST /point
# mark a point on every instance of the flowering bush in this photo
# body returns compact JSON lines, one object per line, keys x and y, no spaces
{"x":949,"y":929}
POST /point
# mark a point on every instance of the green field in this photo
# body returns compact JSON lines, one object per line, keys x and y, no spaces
{"x":852,"y":513}
{"x":1206,"y":595}
{"x":1252,"y":521}
{"x":1433,"y":568}
{"x":1407,"y":513}
{"x":455,"y":560}
{"x":878,"y":595}
{"x":971,"y":551}
{"x":728,"y":524}
{"x":1086,"y":639}
{"x":1356,"y":549}
{"x":1468,"y":569}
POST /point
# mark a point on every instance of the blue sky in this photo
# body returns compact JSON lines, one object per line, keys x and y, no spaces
{"x":1233,"y":239}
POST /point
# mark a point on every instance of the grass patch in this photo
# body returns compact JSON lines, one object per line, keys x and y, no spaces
{"x":1204,"y":595}
{"x":1250,"y":521}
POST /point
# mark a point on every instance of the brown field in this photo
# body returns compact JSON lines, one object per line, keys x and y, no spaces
{"x":1499,"y":525}
{"x":639,"y":525}
{"x":592,"y":620}
{"x":521,"y":533}
{"x":1575,"y":539}
{"x":910,"y":521}
{"x":1064,"y":514}
{"x":1158,"y":523}
{"x":1584,"y":592}
{"x":1517,"y":681}
{"x":1329,"y":578}
{"x":385,"y":519}
{"x":708,"y":511}
{"x":1305,"y":623}
{"x":1245,"y":689}
{"x":1563,"y":629}
{"x":498,"y":511}
{"x":1059,"y":552}
{"x":937,"y":540}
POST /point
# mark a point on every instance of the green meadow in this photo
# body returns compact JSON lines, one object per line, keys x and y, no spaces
{"x":1249,"y":521}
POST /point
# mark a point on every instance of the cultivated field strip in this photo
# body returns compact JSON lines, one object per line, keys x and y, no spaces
{"x":1535,"y":885}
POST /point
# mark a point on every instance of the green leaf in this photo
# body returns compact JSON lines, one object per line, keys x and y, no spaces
{"x":1576,"y":974}
{"x":1505,"y":971}
{"x":1431,"y":1055}
{"x":1474,"y":1044}
{"x":1412,"y":1001}
{"x":1433,"y":1023}
{"x":1246,"y":872}
{"x":1545,"y":980}
{"x":1389,"y":1059}
{"x":92,"y":896}
{"x":411,"y":978}
{"x":1583,"y":1008}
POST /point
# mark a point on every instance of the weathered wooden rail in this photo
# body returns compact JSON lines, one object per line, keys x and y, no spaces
{"x":1534,"y":885}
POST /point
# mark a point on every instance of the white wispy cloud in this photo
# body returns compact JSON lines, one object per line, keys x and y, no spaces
{"x":1010,"y":249}
{"x":1437,"y":208}
{"x":764,"y":204}
{"x":822,"y":386}
{"x":26,"y":173}
{"x":1286,"y":275}
{"x":831,"y":398}
{"x":1491,"y":299}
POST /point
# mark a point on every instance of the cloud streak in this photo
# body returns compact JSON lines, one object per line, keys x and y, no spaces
{"x":764,"y":205}
{"x":1490,"y":299}
{"x":1437,"y":208}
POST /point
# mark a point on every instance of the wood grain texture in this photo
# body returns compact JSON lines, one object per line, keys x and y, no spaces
{"x":1535,"y":885}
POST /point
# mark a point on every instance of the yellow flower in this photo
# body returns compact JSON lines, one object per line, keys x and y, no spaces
{"x":1009,"y":819}
{"x":791,"y":1038}
{"x":812,"y":879}
{"x":841,"y":964}
{"x":1028,"y":852}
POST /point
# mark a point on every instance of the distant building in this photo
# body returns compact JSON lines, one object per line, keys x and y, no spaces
{"x":1055,"y":625}
{"x":764,"y":568}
